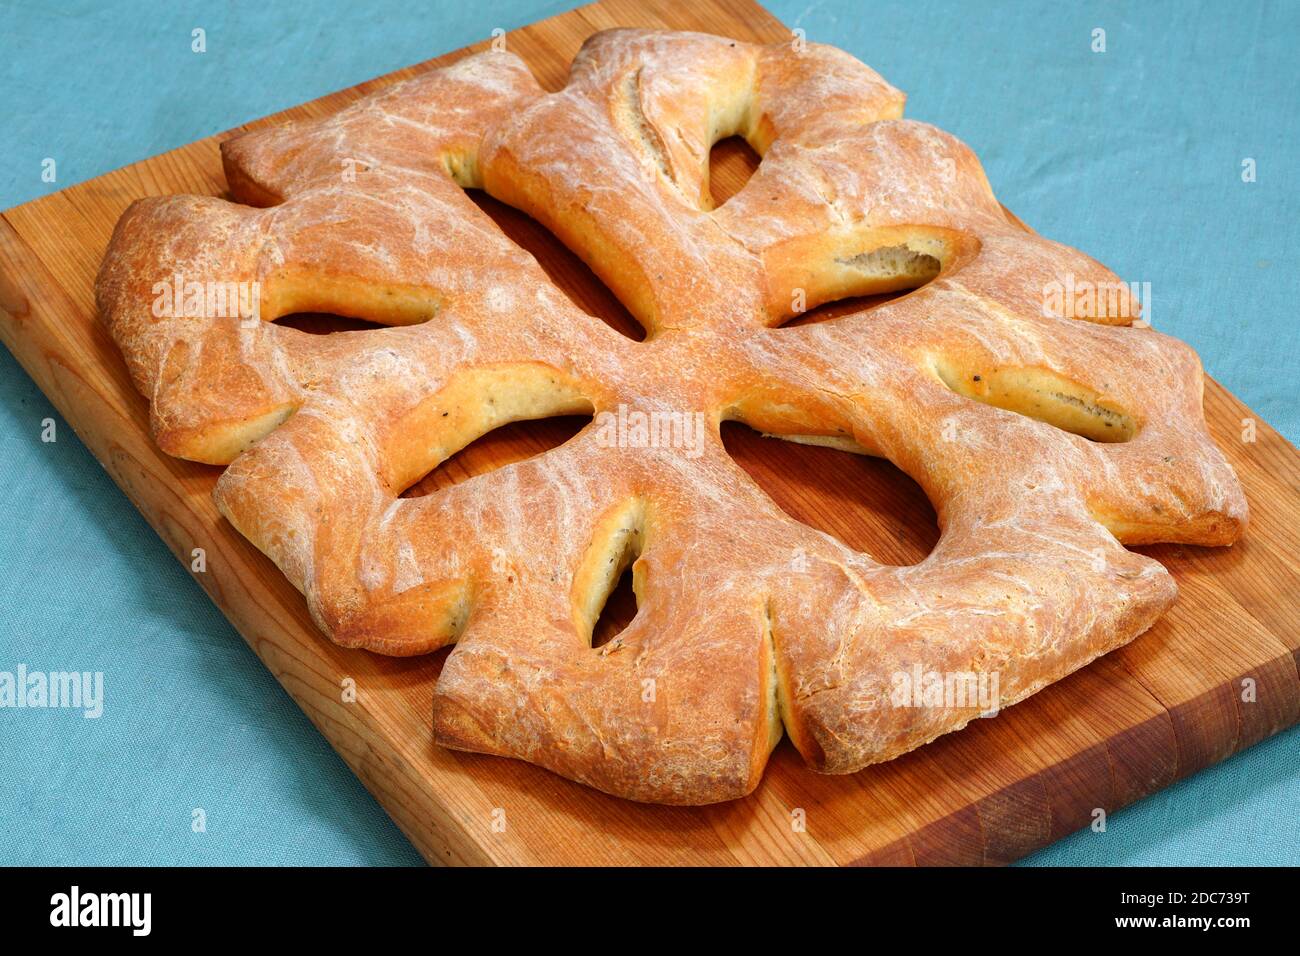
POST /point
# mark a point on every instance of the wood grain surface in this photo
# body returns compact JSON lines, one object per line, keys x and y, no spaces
{"x":1171,"y":703}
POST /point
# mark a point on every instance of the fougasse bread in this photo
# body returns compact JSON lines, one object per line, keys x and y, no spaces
{"x":1046,"y":439}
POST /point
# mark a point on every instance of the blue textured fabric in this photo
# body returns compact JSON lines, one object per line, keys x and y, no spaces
{"x":1134,"y":154}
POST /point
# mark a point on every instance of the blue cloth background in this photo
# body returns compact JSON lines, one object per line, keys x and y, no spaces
{"x":1133,"y":155}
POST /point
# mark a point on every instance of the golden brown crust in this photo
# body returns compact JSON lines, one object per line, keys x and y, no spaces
{"x":976,"y":384}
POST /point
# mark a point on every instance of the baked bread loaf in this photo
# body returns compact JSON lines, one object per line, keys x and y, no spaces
{"x":1046,"y":439}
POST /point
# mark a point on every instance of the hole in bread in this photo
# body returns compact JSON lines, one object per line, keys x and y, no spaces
{"x":637,"y":126}
{"x":317,"y":301}
{"x":563,"y":268}
{"x":865,"y":503}
{"x":900,"y":266}
{"x":842,"y":307}
{"x":826,"y":277}
{"x":324,"y":323}
{"x":471,"y":405}
{"x":619,"y":610}
{"x":603,"y":602}
{"x":731,"y":162}
{"x":1043,"y":395}
{"x":500,"y":447}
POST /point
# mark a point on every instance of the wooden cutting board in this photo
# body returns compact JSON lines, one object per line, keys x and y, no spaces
{"x":1217,"y":674}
